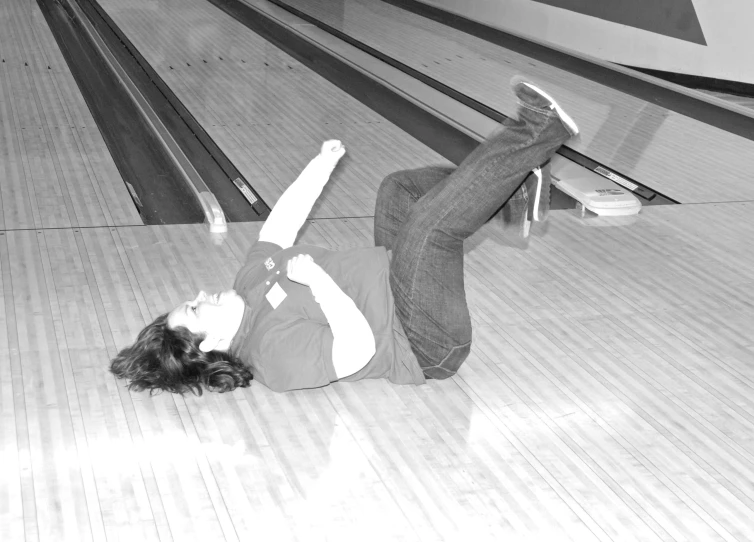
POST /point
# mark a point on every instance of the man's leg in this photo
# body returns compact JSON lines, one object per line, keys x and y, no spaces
{"x":427,"y":266}
{"x":396,"y":197}
{"x":529,"y":203}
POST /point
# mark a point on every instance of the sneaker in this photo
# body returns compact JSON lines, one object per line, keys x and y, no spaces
{"x":544,"y":101}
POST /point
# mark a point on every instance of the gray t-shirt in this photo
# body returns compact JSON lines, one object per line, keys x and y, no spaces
{"x":284,"y":335}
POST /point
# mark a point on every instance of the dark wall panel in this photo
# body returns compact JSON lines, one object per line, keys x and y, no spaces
{"x":673,"y":18}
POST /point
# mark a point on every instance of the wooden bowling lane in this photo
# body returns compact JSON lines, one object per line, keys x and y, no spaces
{"x":57,"y":171}
{"x":680,"y":157}
{"x":605,"y":399}
{"x":266,"y":111}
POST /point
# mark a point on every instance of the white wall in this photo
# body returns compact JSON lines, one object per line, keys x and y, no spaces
{"x":728,"y":27}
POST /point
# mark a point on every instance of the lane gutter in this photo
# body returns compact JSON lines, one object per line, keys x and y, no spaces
{"x":174,"y":171}
{"x":152,"y":178}
{"x":222,"y":177}
{"x":213,"y":213}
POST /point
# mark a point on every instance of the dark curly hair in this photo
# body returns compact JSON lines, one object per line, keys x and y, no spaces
{"x":170,"y":360}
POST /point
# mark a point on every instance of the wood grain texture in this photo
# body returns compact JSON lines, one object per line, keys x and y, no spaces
{"x":605,"y":397}
{"x":57,"y":170}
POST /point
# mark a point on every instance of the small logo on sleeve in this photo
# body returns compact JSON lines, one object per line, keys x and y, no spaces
{"x":269,"y":264}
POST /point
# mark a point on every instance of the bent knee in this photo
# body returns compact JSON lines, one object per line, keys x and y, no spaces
{"x":447,"y":366}
{"x":394,"y":181}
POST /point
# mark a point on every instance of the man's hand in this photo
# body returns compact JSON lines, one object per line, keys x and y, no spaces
{"x":332,"y":149}
{"x":303,"y":270}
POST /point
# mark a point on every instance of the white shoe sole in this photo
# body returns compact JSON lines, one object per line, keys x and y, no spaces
{"x":565,"y":117}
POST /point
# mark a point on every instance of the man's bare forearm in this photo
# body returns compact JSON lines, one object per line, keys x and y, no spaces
{"x":353,"y":339}
{"x":293,"y":208}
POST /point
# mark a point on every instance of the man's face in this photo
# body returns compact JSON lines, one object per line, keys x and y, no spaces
{"x":212,"y":315}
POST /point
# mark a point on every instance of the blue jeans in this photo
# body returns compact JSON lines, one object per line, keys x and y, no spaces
{"x":424,"y":215}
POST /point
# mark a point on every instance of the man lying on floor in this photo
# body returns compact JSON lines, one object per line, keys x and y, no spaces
{"x":304,"y":316}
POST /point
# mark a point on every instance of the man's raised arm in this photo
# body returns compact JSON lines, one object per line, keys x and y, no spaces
{"x":293,"y":208}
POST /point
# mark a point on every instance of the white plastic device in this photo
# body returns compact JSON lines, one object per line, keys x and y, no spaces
{"x":593,"y":191}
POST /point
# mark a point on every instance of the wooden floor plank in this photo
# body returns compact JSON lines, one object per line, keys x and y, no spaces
{"x":614,"y":423}
{"x":18,"y":507}
{"x":53,"y":178}
{"x":17,"y":210}
{"x":59,"y":493}
{"x":78,"y":346}
{"x":121,"y":312}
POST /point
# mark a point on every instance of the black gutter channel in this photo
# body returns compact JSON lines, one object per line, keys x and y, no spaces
{"x":699,"y":82}
{"x":697,"y":109}
{"x":156,"y":185}
{"x":649,"y":195}
{"x":238,"y":199}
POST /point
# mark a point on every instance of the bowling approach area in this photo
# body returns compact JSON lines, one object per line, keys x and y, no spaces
{"x":609,"y":394}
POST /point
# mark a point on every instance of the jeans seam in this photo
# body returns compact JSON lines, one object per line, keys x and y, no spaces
{"x":441,"y":366}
